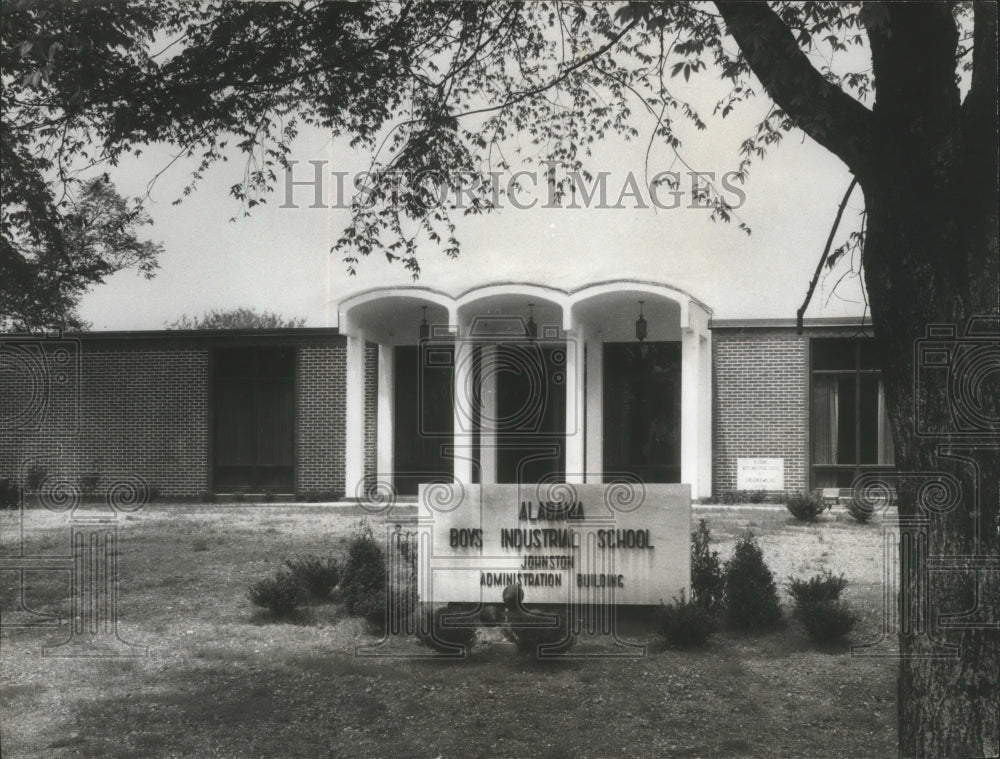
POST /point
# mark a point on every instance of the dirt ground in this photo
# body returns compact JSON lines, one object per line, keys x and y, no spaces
{"x":207,"y":675}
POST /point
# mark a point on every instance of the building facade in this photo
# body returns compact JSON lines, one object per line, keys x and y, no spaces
{"x":512,"y":382}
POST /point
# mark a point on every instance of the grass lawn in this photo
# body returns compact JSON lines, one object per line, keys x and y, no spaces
{"x":220,"y":680}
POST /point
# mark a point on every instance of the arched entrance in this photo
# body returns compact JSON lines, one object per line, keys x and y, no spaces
{"x":523,"y":383}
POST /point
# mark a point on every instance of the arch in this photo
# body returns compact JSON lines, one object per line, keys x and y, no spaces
{"x":527,"y":289}
{"x":547,"y":305}
{"x":678,"y":296}
{"x":375,"y":310}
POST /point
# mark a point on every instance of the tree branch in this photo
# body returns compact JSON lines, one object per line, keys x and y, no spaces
{"x":822,"y":259}
{"x":534,"y":90}
{"x":822,"y":110}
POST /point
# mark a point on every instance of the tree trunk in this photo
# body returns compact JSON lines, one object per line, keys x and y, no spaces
{"x":927,"y":162}
{"x":930,"y":259}
{"x":947,"y":539}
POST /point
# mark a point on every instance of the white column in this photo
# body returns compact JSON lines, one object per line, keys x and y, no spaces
{"x":705,"y":437}
{"x":696,"y":399}
{"x":690,"y":401}
{"x":575,"y":405}
{"x":386,"y":411}
{"x":488,"y":416}
{"x":463,"y":400}
{"x":354,"y":434}
{"x":595,"y":408}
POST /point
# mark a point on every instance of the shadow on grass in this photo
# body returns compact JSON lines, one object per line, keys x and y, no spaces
{"x":300,"y":706}
{"x":228,"y":702}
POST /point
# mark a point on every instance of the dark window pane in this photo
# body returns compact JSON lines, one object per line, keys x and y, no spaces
{"x":275,"y":413}
{"x":276,"y":362}
{"x":871,"y":353}
{"x":833,"y":354}
{"x":846,"y":420}
{"x":255,"y":362}
{"x":235,"y":362}
{"x":254,"y":418}
{"x":234,"y":438}
{"x":868,"y":419}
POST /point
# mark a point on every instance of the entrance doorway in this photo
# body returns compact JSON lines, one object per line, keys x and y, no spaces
{"x":424,"y":416}
{"x":642,"y":410}
{"x":531,"y":412}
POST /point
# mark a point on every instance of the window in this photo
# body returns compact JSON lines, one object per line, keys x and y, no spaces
{"x":253,"y":413}
{"x":849,"y":428}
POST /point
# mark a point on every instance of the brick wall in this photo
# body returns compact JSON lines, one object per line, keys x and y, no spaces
{"x":139,"y":407}
{"x":120,"y":410}
{"x":322,"y":392}
{"x":759,"y":402}
{"x":371,"y":415}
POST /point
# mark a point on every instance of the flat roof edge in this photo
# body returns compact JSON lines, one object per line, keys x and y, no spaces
{"x":813,"y":323}
{"x":177,"y":333}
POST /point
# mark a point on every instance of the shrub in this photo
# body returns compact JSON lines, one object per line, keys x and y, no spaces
{"x":751,"y":596}
{"x":8,"y":493}
{"x":367,"y":579}
{"x":860,"y":512}
{"x":685,"y":623}
{"x":804,"y":506}
{"x":827,"y":622}
{"x":438,"y":632}
{"x":379,"y":588}
{"x":280,"y":594}
{"x":533,"y":633}
{"x":819,"y":608}
{"x":269,"y":496}
{"x":35,"y":476}
{"x":756,"y":496}
{"x":318,"y":576}
{"x":707,"y":582}
{"x":363,"y":580}
{"x":824,"y":587}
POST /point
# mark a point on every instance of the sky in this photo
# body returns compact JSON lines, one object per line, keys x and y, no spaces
{"x":279,"y":258}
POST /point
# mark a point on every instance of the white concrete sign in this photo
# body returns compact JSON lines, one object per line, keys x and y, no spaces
{"x":760,"y":474}
{"x":620,"y":543}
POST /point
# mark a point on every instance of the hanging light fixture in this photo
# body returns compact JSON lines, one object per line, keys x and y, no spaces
{"x":531,"y":327}
{"x":425,"y":328}
{"x":640,"y":325}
